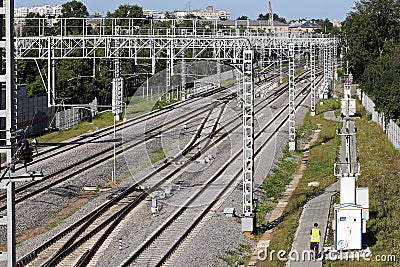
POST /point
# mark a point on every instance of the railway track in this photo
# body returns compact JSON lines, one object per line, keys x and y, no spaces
{"x":87,"y":254}
{"x":167,"y":238}
{"x":83,"y":224}
{"x":31,"y":189}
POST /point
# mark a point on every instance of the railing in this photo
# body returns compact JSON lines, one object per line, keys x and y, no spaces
{"x":390,"y":127}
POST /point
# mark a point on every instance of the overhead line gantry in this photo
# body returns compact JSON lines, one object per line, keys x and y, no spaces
{"x":151,"y":42}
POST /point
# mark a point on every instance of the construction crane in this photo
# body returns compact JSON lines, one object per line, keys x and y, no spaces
{"x":271,"y":15}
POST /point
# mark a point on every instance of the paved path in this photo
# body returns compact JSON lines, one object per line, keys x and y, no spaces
{"x":277,"y":214}
{"x":316,"y":210}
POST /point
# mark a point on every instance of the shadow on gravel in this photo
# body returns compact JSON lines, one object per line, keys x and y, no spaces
{"x":67,"y":191}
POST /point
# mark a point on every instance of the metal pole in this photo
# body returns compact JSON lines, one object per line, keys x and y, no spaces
{"x":183,"y":78}
{"x":49,"y":89}
{"x":11,"y":249}
{"x":292,"y":96}
{"x":335,"y":75}
{"x":326,"y":70}
{"x":280,"y":65}
{"x":10,"y":127}
{"x":147,"y":87}
{"x":168,"y":77}
{"x":114,"y":174}
{"x":248,"y":221}
{"x":53,"y":79}
{"x":312,"y":62}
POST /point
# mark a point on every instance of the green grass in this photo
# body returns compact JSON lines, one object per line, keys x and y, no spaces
{"x":100,"y":121}
{"x":139,"y":106}
{"x":274,"y":185}
{"x":319,"y":168}
{"x":103,"y":120}
{"x":163,"y":103}
{"x":261,"y":211}
{"x":328,"y":105}
{"x":228,"y":81}
{"x":157,"y":155}
{"x":59,"y":220}
{"x":380,"y":171}
{"x":59,"y":136}
{"x":238,"y":257}
{"x":329,"y":242}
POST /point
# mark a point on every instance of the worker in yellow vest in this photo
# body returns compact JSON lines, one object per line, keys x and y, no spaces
{"x":315,"y":234}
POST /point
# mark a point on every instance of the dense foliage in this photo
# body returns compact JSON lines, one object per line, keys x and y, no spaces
{"x":78,"y":81}
{"x":372,"y":33}
{"x":275,"y":17}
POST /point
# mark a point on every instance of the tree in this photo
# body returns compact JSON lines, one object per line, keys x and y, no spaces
{"x":127,"y":11}
{"x":275,"y":17}
{"x":169,"y":15}
{"x":31,"y":27}
{"x":74,"y":9}
{"x":73,"y":81}
{"x":367,"y":28}
{"x":243,"y":18}
{"x":128,"y":15}
{"x":372,"y":34}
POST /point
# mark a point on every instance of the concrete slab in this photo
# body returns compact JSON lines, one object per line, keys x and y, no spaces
{"x":315,"y":211}
{"x":330,"y":115}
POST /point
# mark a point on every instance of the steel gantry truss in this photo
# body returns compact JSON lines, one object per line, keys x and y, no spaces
{"x":312,"y":63}
{"x":183,"y":74}
{"x":9,"y":133}
{"x":117,"y":82}
{"x":9,"y":116}
{"x":188,"y":44}
{"x":292,"y":97}
{"x":248,"y":141}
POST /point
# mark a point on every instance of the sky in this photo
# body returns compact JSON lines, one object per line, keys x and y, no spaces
{"x":289,"y":9}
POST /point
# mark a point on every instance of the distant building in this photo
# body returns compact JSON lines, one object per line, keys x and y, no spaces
{"x":21,"y":12}
{"x":210,"y":14}
{"x":94,"y":21}
{"x":304,"y":26}
{"x":46,"y":10}
{"x":149,"y":13}
{"x":50,"y":12}
{"x":336,"y":23}
{"x":181,"y":14}
{"x":278,"y":26}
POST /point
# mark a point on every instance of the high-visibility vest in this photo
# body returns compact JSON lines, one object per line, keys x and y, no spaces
{"x":315,"y":237}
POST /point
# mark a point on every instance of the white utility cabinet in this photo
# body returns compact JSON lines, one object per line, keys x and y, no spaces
{"x":348,"y":232}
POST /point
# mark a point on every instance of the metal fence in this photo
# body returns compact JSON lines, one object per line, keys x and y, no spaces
{"x":390,"y":127}
{"x":34,"y":114}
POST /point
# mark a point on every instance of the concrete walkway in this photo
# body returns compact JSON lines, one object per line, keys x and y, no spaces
{"x":316,"y":210}
{"x":277,"y":214}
